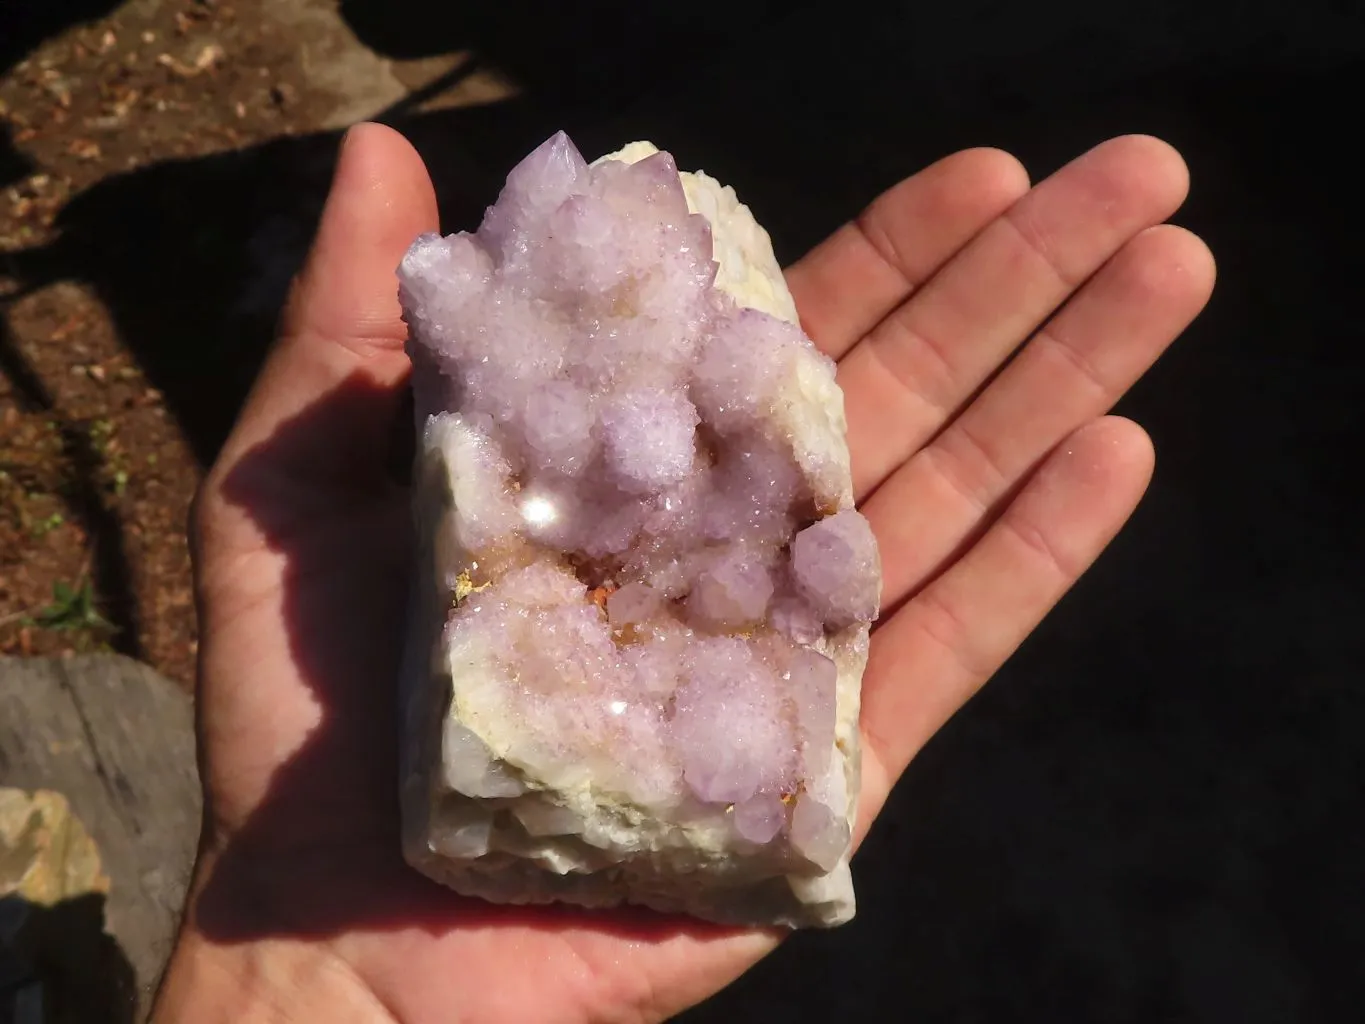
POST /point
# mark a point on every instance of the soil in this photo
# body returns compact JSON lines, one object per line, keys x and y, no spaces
{"x":112,"y":397}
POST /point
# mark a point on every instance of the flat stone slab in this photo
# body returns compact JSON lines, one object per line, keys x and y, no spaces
{"x":117,"y":741}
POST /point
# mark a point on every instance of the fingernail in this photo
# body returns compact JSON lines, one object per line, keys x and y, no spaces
{"x":346,"y":137}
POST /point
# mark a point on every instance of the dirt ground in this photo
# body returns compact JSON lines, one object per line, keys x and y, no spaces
{"x":97,"y":463}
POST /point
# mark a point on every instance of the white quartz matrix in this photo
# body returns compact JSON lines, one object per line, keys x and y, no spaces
{"x":644,"y":595}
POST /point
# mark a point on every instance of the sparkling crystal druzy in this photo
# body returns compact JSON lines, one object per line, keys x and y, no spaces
{"x":644,"y":593}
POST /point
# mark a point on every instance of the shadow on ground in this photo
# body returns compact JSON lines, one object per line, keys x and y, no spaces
{"x":83,"y":497}
{"x":1148,"y":815}
{"x":23,"y":25}
{"x":59,"y":966}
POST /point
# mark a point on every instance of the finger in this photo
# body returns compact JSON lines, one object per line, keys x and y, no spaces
{"x":1072,"y":371}
{"x":343,"y":322}
{"x":858,"y":275}
{"x":909,"y":376}
{"x":934,"y":653}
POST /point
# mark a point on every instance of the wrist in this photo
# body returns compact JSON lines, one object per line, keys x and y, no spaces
{"x":262,"y":982}
{"x":266,"y":980}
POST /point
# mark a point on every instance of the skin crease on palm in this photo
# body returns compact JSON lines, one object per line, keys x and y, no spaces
{"x":988,"y":502}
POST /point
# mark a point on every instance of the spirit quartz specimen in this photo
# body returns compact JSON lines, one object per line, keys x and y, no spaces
{"x":644,"y":595}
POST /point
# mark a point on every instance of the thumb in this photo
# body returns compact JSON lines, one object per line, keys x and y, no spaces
{"x":342,"y":333}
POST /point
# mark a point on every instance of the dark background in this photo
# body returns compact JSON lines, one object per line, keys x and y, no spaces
{"x":1154,"y":812}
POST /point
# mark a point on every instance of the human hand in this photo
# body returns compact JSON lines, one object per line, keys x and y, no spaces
{"x":987,"y":503}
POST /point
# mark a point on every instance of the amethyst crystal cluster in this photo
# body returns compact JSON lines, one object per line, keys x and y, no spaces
{"x":644,"y":593}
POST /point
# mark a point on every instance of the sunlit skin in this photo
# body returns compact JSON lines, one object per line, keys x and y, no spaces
{"x":987,"y":504}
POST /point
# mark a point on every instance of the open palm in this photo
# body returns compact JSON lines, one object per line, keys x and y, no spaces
{"x":988,"y":502}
